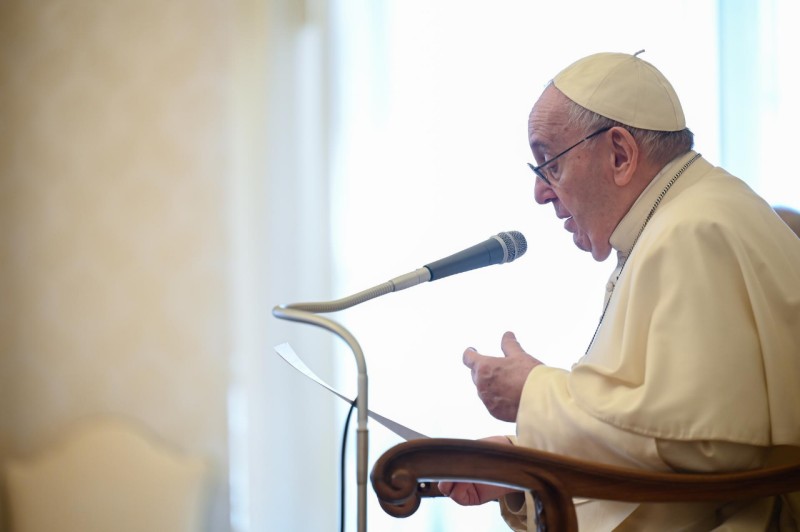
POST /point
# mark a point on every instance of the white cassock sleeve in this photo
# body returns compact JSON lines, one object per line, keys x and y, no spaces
{"x":550,"y":420}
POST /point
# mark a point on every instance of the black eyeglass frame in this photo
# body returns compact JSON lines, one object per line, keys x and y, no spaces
{"x":538,"y":169}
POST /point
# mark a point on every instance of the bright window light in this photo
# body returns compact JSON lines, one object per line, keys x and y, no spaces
{"x":430,"y":152}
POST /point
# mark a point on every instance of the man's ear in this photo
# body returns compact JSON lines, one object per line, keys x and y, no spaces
{"x":625,"y":153}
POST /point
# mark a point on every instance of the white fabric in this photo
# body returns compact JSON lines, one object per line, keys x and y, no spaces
{"x":625,"y":88}
{"x":696,"y":363}
{"x":707,"y":306}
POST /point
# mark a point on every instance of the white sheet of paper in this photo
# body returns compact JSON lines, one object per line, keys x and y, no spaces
{"x":288,"y":354}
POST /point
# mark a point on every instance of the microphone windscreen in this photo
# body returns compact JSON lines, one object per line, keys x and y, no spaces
{"x":514,"y":244}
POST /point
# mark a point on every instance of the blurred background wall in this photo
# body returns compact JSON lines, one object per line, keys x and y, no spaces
{"x":113,"y":220}
{"x":135,"y":165}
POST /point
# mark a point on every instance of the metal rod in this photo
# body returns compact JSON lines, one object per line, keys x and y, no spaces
{"x":362,"y":449}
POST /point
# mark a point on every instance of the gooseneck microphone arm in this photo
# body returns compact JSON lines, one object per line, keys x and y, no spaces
{"x":499,"y":249}
{"x":291,"y":313}
{"x":308,"y":313}
{"x":394,"y":285}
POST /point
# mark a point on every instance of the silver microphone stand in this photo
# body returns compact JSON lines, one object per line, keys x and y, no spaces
{"x":307,"y":313}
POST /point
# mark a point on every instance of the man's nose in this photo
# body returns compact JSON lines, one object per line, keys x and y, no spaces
{"x":542,"y":192}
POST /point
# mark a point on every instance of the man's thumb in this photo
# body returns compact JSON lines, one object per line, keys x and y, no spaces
{"x":510,"y":345}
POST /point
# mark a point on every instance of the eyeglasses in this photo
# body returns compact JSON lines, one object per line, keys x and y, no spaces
{"x":538,"y":169}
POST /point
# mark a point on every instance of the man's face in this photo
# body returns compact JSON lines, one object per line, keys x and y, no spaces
{"x":580,"y":191}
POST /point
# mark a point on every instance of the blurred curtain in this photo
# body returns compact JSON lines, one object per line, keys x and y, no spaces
{"x":759,"y":83}
{"x":283,"y":429}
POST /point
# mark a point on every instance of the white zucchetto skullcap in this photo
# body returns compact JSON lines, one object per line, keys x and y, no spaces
{"x":624,"y":88}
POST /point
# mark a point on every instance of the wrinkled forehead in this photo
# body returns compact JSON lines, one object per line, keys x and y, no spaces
{"x":548,"y":121}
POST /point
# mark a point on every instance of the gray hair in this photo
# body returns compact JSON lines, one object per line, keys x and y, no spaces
{"x":659,"y":146}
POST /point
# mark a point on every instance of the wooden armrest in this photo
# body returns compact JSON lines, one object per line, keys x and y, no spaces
{"x":404,"y":474}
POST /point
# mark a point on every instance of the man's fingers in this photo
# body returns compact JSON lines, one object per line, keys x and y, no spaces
{"x":510,"y":345}
{"x":469,"y":357}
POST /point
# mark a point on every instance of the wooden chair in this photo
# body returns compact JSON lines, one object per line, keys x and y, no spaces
{"x":107,"y":474}
{"x":407,"y":472}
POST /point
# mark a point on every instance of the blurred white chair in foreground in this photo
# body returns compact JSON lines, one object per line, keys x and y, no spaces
{"x":107,"y":475}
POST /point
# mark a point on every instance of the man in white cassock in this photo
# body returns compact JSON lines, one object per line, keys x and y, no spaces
{"x":695,"y":363}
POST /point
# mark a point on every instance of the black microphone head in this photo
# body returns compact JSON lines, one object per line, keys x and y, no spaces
{"x":514,"y":245}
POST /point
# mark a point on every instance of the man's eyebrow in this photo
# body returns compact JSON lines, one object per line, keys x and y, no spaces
{"x":539,"y":145}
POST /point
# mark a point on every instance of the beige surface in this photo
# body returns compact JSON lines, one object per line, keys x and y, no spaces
{"x":106,"y":475}
{"x":113,"y":213}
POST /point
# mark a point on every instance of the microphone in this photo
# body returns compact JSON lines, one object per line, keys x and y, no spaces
{"x":499,"y":249}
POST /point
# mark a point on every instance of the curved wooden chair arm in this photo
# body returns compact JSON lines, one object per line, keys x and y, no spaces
{"x":404,"y":474}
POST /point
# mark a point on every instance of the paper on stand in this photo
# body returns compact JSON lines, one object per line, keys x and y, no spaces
{"x":288,"y":354}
